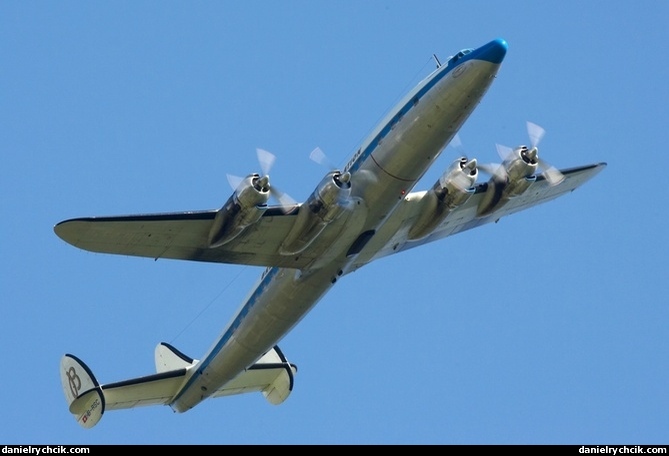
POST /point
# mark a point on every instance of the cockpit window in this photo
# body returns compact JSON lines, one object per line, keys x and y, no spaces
{"x":459,"y":55}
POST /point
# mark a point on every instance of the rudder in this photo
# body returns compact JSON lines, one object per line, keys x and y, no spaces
{"x":82,"y":391}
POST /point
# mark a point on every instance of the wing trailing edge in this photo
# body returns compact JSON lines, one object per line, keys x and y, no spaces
{"x":184,"y":236}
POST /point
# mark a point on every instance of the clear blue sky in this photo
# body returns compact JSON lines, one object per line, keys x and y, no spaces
{"x":549,"y":327}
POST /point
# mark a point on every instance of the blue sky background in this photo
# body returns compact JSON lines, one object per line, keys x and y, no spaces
{"x":549,"y":327}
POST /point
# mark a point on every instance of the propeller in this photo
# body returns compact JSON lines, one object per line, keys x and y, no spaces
{"x":456,"y":143}
{"x":460,"y":181}
{"x":535,"y":134}
{"x":266,"y":161}
{"x":473,"y":165}
{"x":493,"y":169}
{"x":498,"y":170}
{"x":318,"y":156}
{"x":551,"y":173}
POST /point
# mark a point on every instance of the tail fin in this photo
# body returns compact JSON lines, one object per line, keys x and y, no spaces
{"x":169,"y":358}
{"x":280,"y":388}
{"x":272,"y":375}
{"x":88,"y":400}
{"x":82,"y":391}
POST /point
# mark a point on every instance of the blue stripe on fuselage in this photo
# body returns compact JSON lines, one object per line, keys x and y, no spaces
{"x":267,"y":277}
{"x":493,"y":52}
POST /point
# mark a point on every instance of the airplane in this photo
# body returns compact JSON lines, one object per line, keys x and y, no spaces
{"x":358,"y":214}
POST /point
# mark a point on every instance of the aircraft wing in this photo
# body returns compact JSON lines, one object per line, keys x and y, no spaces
{"x":183,"y":236}
{"x":393,"y":236}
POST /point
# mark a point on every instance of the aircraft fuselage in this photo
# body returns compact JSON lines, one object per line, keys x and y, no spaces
{"x":385,"y":169}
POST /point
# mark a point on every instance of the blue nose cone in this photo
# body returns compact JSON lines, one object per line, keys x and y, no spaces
{"x":493,"y":52}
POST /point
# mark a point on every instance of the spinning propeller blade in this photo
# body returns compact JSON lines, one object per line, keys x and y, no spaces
{"x":266,"y":160}
{"x":234,"y":181}
{"x":498,"y":170}
{"x":317,"y":155}
{"x":504,"y":152}
{"x":467,"y":165}
{"x":535,"y":132}
{"x":551,"y":173}
{"x":282,"y":197}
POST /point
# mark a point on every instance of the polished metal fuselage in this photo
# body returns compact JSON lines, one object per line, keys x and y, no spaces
{"x":383,"y":171}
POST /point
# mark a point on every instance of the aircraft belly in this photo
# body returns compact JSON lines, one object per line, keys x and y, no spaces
{"x":270,"y":312}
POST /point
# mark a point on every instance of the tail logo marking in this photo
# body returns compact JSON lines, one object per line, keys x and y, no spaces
{"x":74,"y":381}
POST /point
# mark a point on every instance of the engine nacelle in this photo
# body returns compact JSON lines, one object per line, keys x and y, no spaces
{"x":327,"y":203}
{"x":521,"y":168}
{"x":517,"y":174}
{"x":245,"y":207}
{"x":453,"y":189}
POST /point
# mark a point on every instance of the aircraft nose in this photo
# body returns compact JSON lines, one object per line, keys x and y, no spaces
{"x":493,"y":52}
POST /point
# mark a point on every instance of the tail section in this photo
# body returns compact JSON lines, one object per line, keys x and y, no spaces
{"x":272,"y":375}
{"x":279,"y":389}
{"x":87,"y":399}
{"x":82,"y":391}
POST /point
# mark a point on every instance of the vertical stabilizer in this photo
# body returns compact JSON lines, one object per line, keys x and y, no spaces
{"x":82,"y":391}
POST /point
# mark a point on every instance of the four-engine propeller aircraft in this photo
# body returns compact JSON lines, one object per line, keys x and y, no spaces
{"x":356,"y":215}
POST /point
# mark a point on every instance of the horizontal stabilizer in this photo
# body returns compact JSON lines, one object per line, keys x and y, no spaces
{"x":272,"y":375}
{"x":156,"y":389}
{"x":88,"y":400}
